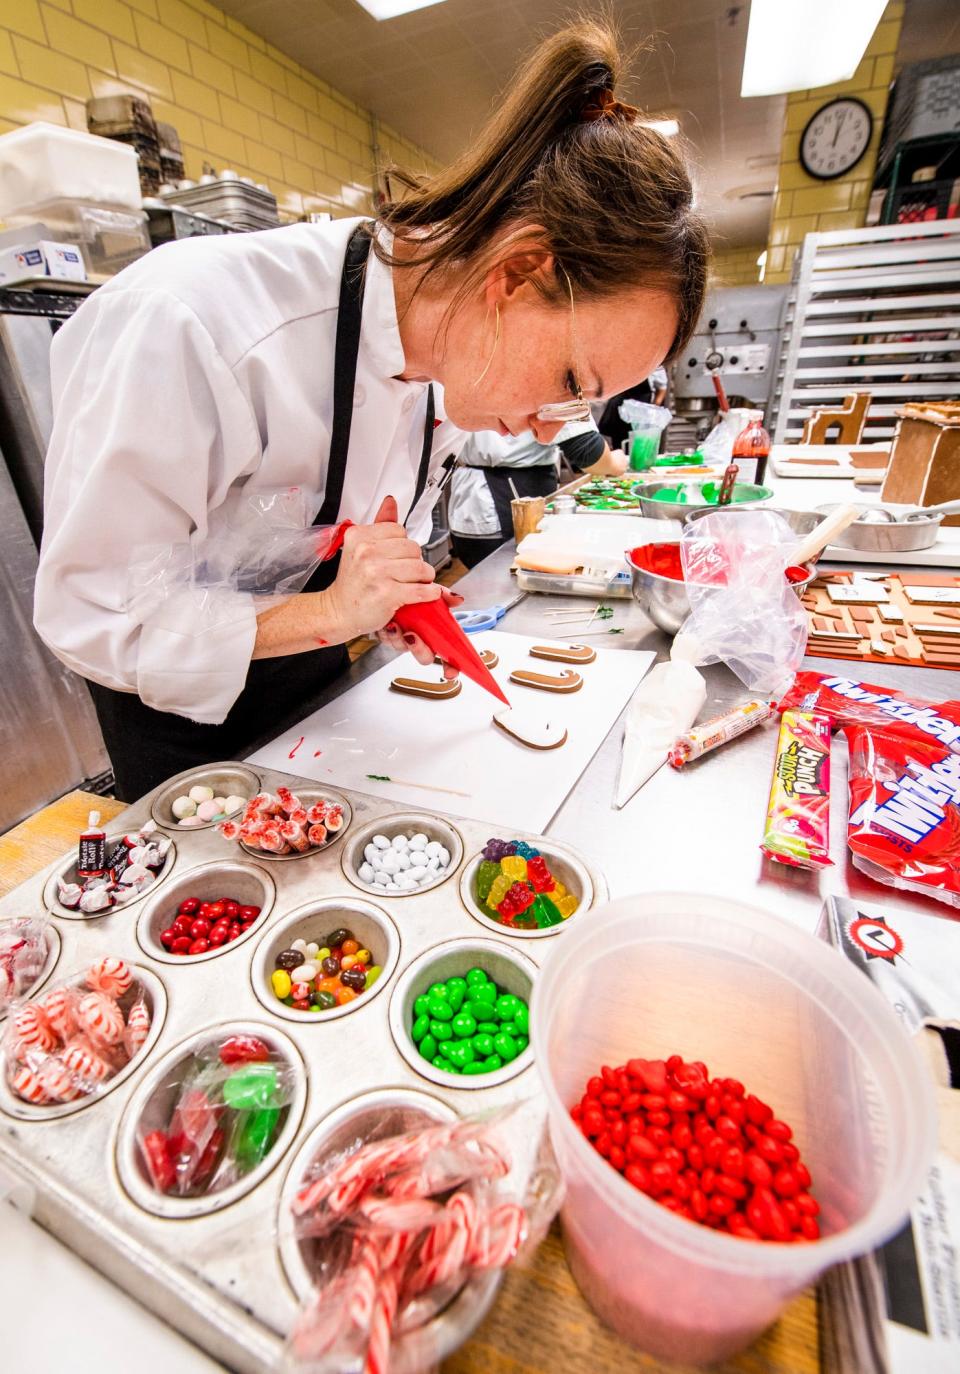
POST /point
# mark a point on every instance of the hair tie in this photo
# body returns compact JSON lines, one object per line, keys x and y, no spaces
{"x":602,"y":104}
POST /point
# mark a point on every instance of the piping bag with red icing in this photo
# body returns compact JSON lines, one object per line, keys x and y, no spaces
{"x":435,"y":625}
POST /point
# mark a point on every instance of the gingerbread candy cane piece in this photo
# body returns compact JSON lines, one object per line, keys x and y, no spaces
{"x":568,"y":681}
{"x":564,"y":653}
{"x":434,"y":691}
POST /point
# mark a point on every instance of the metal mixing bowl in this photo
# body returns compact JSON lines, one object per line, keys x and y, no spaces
{"x":802,"y":522}
{"x":670,"y":510}
{"x":665,"y":600}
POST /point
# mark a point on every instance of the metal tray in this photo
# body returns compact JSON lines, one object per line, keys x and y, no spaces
{"x":224,"y":1277}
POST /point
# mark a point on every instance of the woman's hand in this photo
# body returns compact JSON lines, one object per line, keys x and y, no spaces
{"x":392,"y":635}
{"x":381,"y":569}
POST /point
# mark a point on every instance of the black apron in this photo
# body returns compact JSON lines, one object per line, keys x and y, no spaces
{"x":147,"y":746}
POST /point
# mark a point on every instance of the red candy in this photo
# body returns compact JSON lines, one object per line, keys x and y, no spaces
{"x":243,"y":1049}
{"x":201,"y":926}
{"x":701,"y":1147}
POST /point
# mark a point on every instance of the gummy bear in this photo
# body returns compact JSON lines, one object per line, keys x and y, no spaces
{"x":486,"y":873}
{"x":516,"y":900}
{"x":510,"y":847}
{"x":514,"y":867}
{"x":498,"y":890}
{"x":539,"y":874}
{"x":558,"y":890}
{"x":526,"y":851}
{"x":494,"y":850}
{"x":567,"y":905}
{"x":545,"y":913}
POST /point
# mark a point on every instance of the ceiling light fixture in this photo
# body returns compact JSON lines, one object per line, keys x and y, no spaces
{"x":796,"y":45}
{"x":667,"y":127}
{"x":390,"y":9}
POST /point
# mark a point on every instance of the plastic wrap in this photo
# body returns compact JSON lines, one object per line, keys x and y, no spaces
{"x":228,"y":1107}
{"x":643,"y":415}
{"x":23,"y":953}
{"x":262,"y":545}
{"x":71,"y":1041}
{"x":744,"y":611}
{"x":847,"y":701}
{"x":133,"y":864}
{"x":397,"y":1226}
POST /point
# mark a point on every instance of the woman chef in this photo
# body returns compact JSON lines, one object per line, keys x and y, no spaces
{"x":558,"y":259}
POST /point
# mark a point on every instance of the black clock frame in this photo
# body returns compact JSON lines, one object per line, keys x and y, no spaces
{"x":837,"y":100}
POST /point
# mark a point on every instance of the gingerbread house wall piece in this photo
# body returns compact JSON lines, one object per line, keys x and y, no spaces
{"x":851,"y":417}
{"x":925,"y":458}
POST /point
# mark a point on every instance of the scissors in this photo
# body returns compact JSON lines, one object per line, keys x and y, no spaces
{"x":487,"y":618}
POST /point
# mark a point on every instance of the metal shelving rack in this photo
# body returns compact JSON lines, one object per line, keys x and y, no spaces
{"x":871,"y":310}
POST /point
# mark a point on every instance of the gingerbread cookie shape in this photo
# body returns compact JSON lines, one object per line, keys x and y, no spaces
{"x":488,"y":657}
{"x":564,"y":653}
{"x":532,"y":731}
{"x":418,"y":687}
{"x":568,"y":681}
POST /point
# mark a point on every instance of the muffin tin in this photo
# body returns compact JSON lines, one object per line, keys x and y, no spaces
{"x":224,"y":1276}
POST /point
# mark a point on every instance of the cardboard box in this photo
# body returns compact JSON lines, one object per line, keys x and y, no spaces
{"x":45,"y":258}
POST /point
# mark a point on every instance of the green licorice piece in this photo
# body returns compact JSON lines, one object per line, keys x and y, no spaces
{"x":441,"y":1030}
{"x":420,"y":1006}
{"x":437,"y":990}
{"x":464,"y":1026}
{"x":505,"y":1046}
{"x":255,"y":1138}
{"x":252,"y":1087}
{"x":491,"y":1063}
{"x":476,"y":978}
{"x":474,"y":1068}
{"x":428,"y":1047}
{"x":419,"y":1029}
{"x":487,"y":1027}
{"x":521,"y":1019}
{"x":482,"y":1045}
{"x":506,"y":1006}
{"x":440,"y":1009}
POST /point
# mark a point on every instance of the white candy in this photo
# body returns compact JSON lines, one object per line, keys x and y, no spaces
{"x":234,"y":803}
{"x":381,"y":842}
{"x":433,"y":863}
{"x":183,"y":807}
{"x":163,"y":847}
{"x":188,"y":822}
{"x":372,"y":854}
{"x":444,"y":857}
{"x":432,"y":848}
{"x":313,"y":949}
{"x":419,"y":841}
{"x":208,"y":809}
{"x":139,"y":854}
{"x":134,"y":875}
{"x":393,"y":887}
{"x":147,"y":828}
{"x":301,"y":945}
{"x":401,"y":842}
{"x":391,"y":861}
{"x":220,"y":803}
{"x":382,"y":878}
{"x":418,"y":873}
{"x":200,"y":793}
{"x":404,"y":861}
{"x":365,"y":873}
{"x":305,"y":973}
{"x":406,"y":883}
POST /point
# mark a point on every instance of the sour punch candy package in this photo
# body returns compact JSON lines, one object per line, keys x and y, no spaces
{"x":798,"y":814}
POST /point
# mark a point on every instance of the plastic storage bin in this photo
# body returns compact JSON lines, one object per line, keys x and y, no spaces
{"x":758,"y":1000}
{"x":108,"y":236}
{"x":43,"y":162}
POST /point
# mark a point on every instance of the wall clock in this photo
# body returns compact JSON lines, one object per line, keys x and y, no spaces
{"x":836,"y":138}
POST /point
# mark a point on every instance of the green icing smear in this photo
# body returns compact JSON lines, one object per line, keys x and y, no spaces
{"x":708,"y":494}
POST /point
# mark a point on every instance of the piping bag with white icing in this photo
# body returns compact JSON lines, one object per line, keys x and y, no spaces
{"x":666,"y":704}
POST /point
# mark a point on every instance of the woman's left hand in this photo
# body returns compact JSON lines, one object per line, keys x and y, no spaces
{"x":393,"y":635}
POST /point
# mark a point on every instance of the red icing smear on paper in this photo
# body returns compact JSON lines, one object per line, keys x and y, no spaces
{"x":295,"y":747}
{"x":317,"y":753}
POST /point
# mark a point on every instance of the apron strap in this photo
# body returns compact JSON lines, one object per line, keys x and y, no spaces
{"x":425,"y":453}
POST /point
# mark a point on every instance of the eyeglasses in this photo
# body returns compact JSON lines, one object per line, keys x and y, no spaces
{"x":577,"y":408}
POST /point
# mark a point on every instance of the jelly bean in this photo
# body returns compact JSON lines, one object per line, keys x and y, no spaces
{"x":337,"y":937}
{"x":324,"y":1000}
{"x":344,"y":995}
{"x":419,"y":1028}
{"x":355,"y":978}
{"x":420,"y":1006}
{"x":349,"y":947}
{"x":488,"y":1027}
{"x":331,"y":965}
{"x":347,"y":962}
{"x":476,"y":978}
{"x":437,"y":990}
{"x":492,"y":1063}
{"x":441,"y":1030}
{"x":252,"y":1087}
{"x":505,"y":1046}
{"x":483,"y":1044}
{"x":440,"y":1009}
{"x":464,"y":1025}
{"x":280,"y":982}
{"x":372,"y":974}
{"x":778,"y":1130}
{"x":428,"y":1047}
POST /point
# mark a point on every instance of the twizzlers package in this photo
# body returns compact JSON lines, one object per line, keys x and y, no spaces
{"x":849,"y":702}
{"x":904,"y":826}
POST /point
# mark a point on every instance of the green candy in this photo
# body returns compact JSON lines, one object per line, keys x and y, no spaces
{"x":251,"y":1088}
{"x":486,"y":992}
{"x":505,"y":1046}
{"x":455,"y":997}
{"x":439,"y":1063}
{"x":474,"y":1068}
{"x":441,"y":1030}
{"x":420,"y":1006}
{"x":492,"y":1063}
{"x":464,"y":1026}
{"x":326,"y":1000}
{"x":460,"y":1053}
{"x":437,"y":990}
{"x":446,"y":1048}
{"x":521,"y":1019}
{"x":428,"y":1047}
{"x":373,"y":973}
{"x":419,"y":1029}
{"x":480,"y":1011}
{"x":486,"y":873}
{"x":439,"y":1009}
{"x":522,"y":1043}
{"x":456,"y":985}
{"x":506,"y":1006}
{"x":487,"y":1027}
{"x":482,"y":1045}
{"x":255,"y":1138}
{"x":476,"y":978}
{"x":544,"y":912}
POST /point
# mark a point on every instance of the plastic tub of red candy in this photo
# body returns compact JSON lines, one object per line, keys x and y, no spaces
{"x":206,"y":911}
{"x":67,"y":1048}
{"x":738,"y":1111}
{"x":211,"y":1119}
{"x":289,"y":825}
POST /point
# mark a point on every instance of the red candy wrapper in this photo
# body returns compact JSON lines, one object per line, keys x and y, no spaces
{"x":904,"y":826}
{"x":849,"y":702}
{"x":798,"y":814}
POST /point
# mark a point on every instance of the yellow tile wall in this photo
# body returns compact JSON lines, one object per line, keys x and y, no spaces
{"x":735,"y":266}
{"x":804,"y":205}
{"x":236,"y":100}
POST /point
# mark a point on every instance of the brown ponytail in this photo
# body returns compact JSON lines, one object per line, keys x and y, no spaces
{"x":613,"y":199}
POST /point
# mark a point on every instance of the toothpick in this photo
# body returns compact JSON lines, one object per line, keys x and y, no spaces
{"x":421,"y":786}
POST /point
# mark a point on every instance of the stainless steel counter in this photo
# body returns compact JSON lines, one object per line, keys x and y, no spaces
{"x":697,"y":829}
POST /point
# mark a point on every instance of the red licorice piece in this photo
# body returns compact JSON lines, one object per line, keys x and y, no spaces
{"x":702,"y":1147}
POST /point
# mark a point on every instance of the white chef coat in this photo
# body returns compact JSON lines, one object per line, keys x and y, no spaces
{"x":471,"y":511}
{"x":203,"y":371}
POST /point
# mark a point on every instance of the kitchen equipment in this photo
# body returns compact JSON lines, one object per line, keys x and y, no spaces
{"x":43,"y":162}
{"x":800,"y":521}
{"x":128,"y":119}
{"x":892,"y":528}
{"x":824,"y":533}
{"x":761,"y":1001}
{"x":242,"y":204}
{"x":665,"y":599}
{"x":695,"y":492}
